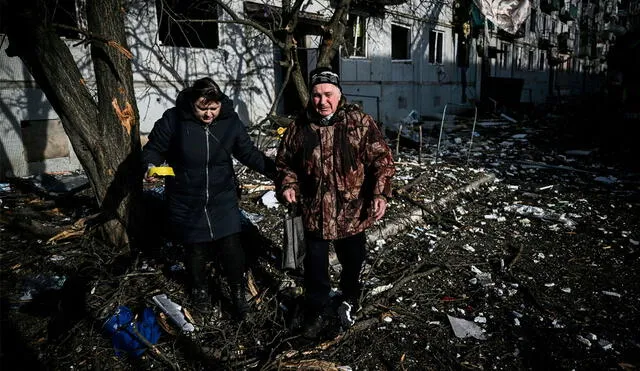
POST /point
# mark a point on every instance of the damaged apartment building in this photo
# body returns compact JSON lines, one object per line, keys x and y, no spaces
{"x":398,"y":57}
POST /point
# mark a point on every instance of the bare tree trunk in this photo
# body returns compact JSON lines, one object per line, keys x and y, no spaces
{"x":333,"y":37}
{"x":291,"y":13}
{"x":104,"y":133}
{"x":119,"y":119}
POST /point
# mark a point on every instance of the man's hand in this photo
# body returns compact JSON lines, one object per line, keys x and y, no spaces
{"x":289,"y":195}
{"x":379,"y":207}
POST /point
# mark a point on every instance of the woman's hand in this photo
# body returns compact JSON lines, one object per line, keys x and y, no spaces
{"x":150,"y":178}
{"x":289,"y":195}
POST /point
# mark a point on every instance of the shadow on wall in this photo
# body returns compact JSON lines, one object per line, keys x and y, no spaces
{"x":5,"y":164}
{"x":32,"y":138}
{"x":167,"y":70}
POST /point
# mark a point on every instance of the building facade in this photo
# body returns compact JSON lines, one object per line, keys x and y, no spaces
{"x":399,"y":57}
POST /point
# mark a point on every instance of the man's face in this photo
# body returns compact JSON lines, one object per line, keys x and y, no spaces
{"x":206,"y":111}
{"x":325,"y":98}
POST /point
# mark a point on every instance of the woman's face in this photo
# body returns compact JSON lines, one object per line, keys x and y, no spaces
{"x":325,"y":98}
{"x":206,"y":111}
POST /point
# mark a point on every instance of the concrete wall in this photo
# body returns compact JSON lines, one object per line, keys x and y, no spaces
{"x":243,"y":66}
{"x":391,"y":89}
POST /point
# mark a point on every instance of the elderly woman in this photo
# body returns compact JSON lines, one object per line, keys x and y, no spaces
{"x":334,"y":161}
{"x":197,"y":138}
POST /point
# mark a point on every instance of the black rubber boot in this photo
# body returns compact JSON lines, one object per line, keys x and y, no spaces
{"x":200,"y":300}
{"x":313,"y":327}
{"x":239,"y":301}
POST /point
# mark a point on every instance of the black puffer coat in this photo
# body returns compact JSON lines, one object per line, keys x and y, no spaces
{"x":202,"y":200}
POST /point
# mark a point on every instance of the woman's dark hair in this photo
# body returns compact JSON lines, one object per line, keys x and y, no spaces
{"x":205,"y":88}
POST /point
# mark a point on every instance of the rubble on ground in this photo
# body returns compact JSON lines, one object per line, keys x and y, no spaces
{"x":507,"y":252}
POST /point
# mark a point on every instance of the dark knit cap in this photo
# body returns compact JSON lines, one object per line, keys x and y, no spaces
{"x":323,"y":75}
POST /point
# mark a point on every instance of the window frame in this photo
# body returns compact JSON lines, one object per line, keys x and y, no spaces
{"x":504,"y":55}
{"x":407,"y":47}
{"x":531,"y":61}
{"x":533,"y":23}
{"x":438,"y":48}
{"x":351,"y":35}
{"x":188,"y":33}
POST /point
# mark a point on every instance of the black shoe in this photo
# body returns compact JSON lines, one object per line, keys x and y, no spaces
{"x":313,"y":327}
{"x":200,"y":300}
{"x":239,"y":301}
{"x":347,"y":312}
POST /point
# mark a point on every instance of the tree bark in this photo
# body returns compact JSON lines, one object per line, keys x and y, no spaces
{"x":118,"y":157}
{"x":104,"y":133}
{"x":333,"y":36}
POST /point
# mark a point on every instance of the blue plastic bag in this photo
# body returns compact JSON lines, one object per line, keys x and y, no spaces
{"x":122,"y":329}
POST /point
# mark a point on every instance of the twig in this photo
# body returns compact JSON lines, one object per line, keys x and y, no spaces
{"x":138,"y":274}
{"x":402,"y":281}
{"x":515,"y":258}
{"x":154,"y":349}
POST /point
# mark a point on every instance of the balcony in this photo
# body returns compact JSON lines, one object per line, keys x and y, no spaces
{"x":546,"y":40}
{"x":565,"y":43}
{"x":548,"y":6}
{"x":588,"y":10}
{"x":587,"y":46}
{"x":555,"y":60}
{"x":492,"y":51}
{"x":585,"y":24}
{"x":568,"y":14}
{"x":563,"y":16}
{"x":504,"y":35}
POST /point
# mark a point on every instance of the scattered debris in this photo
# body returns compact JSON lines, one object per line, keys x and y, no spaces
{"x":174,"y":311}
{"x":463,"y":328}
{"x":500,"y":235}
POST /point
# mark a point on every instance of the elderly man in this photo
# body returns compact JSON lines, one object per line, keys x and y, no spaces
{"x":334,"y":161}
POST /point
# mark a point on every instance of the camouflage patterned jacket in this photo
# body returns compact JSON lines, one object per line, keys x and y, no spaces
{"x":336,"y":169}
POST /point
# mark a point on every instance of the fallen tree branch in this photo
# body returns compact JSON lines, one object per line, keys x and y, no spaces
{"x":404,"y":280}
{"x":466,"y":189}
{"x":66,"y":234}
{"x":421,"y":178}
{"x":416,"y":216}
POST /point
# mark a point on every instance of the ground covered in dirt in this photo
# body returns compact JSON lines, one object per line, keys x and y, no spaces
{"x":517,"y":250}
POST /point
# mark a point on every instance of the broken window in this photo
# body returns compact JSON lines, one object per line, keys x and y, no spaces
{"x":534,"y":21}
{"x":531,"y":60}
{"x":187,"y":23}
{"x":400,"y":43}
{"x":435,"y":46}
{"x":541,"y":61}
{"x":504,"y":56}
{"x":355,"y":36}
